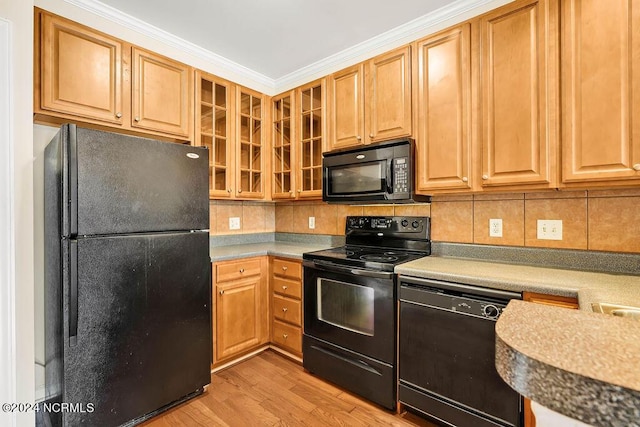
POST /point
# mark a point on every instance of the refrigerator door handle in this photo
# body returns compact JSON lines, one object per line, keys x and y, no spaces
{"x":73,"y":293}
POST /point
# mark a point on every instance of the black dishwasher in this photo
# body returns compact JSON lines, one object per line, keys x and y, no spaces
{"x":447,"y":354}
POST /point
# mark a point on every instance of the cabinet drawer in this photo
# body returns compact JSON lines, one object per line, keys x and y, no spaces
{"x":287,"y":310}
{"x":290,"y":288}
{"x":287,"y":336}
{"x":289,"y":269}
{"x":237,"y":269}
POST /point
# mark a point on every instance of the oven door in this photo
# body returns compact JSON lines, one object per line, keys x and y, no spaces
{"x":351,"y":308}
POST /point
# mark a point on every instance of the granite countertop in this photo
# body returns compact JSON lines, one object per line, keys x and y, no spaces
{"x":277,"y":248}
{"x":582,"y":365}
{"x":588,"y":287}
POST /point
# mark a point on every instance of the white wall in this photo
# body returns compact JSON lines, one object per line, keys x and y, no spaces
{"x":16,"y":252}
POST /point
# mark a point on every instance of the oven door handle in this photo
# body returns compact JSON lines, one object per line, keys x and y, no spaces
{"x":331,"y":267}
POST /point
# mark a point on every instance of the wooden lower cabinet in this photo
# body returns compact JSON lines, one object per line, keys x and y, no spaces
{"x":558,"y":301}
{"x":241,"y":308}
{"x":286,"y":305}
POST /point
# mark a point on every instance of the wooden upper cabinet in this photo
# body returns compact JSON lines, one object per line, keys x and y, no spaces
{"x":80,"y":72}
{"x":250,"y":145}
{"x":214,"y":100}
{"x":282,"y":143}
{"x":311,"y":137}
{"x":388,"y":95}
{"x":162,"y":94}
{"x":518,"y":92}
{"x":600,"y":51}
{"x":347,"y":108}
{"x":443,"y":105}
{"x":371,"y":101}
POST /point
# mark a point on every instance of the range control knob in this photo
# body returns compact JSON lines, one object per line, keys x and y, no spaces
{"x":415,"y":224}
{"x":404,"y":223}
{"x":491,"y":311}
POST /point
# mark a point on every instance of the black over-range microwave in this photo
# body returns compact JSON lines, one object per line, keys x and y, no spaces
{"x":383,"y":172}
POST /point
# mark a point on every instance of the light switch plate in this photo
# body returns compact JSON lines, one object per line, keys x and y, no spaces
{"x":312,"y":222}
{"x":234,"y":223}
{"x":495,"y":227}
{"x":550,"y":229}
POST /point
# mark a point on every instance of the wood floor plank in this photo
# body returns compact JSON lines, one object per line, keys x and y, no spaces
{"x":271,"y":390}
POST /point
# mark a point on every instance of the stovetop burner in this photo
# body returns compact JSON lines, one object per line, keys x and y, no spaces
{"x":379,"y":258}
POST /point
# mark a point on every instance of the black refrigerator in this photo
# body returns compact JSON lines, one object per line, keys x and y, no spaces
{"x":127,"y":277}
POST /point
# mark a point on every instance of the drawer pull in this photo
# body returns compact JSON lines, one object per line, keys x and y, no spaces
{"x":285,"y":336}
{"x":284,"y":309}
{"x":284,"y":268}
{"x":222,"y":292}
{"x":284,"y":288}
{"x":242,"y":270}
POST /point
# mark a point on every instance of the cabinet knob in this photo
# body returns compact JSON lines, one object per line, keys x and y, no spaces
{"x":242,"y":270}
{"x":485,"y":177}
{"x":285,"y":336}
{"x":239,"y":190}
{"x":285,"y":268}
{"x":636,"y":167}
{"x":371,"y":135}
{"x":222,"y":292}
{"x":299,"y":191}
{"x":284,"y":309}
{"x":284,"y":288}
{"x":118,"y":114}
{"x":229,"y":190}
{"x":465,"y":179}
{"x":358,"y":137}
{"x":137,"y":119}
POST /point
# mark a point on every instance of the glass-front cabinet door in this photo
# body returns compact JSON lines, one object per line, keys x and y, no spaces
{"x":250,"y":164}
{"x":283,"y":154}
{"x":311,"y":101}
{"x":213,"y":130}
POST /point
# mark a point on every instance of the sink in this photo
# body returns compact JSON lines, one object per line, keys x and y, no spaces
{"x":616,"y":310}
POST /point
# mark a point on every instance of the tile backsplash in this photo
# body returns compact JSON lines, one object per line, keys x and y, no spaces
{"x":602,"y":220}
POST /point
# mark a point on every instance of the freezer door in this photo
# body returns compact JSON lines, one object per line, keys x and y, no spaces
{"x":122,"y":184}
{"x":137,"y":329}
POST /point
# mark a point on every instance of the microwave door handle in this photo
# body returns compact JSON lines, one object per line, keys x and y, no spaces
{"x":389,"y":179}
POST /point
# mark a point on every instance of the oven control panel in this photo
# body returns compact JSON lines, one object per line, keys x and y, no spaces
{"x":409,"y":224}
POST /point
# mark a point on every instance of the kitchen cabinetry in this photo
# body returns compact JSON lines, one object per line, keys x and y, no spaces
{"x":162,"y":94}
{"x":89,"y":77}
{"x":298,"y":141}
{"x":518,"y":78}
{"x":250,"y":143}
{"x":442,"y":67}
{"x":371,"y":101}
{"x":81,"y":72}
{"x":554,"y":300}
{"x":282,"y":160}
{"x":214,"y":98}
{"x":600,"y":92}
{"x":286,"y":296}
{"x":241,"y":309}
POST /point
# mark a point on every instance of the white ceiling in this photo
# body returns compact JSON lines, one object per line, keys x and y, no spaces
{"x":276,"y":37}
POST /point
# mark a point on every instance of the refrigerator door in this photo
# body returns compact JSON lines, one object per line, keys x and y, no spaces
{"x":137,"y":324}
{"x":120,"y":184}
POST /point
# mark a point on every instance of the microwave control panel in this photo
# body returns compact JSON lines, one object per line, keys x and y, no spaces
{"x":400,"y":175}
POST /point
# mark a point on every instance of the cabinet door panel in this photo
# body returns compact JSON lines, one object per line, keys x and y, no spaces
{"x":347,"y":108}
{"x":250,"y":143}
{"x":161,"y":94}
{"x":81,"y":71}
{"x":515,"y":120}
{"x":388,"y":94}
{"x":601,"y":130}
{"x":238,"y":315}
{"x":444,"y":113}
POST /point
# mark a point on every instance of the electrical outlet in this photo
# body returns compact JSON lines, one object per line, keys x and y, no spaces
{"x":312,"y":222}
{"x":550,"y":229}
{"x":495,"y":227}
{"x":234,"y":223}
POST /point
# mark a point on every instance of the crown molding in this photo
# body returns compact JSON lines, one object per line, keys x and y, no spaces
{"x":420,"y":27}
{"x":233,"y":68}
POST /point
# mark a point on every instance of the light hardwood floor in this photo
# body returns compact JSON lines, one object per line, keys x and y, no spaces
{"x":270,"y":389}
